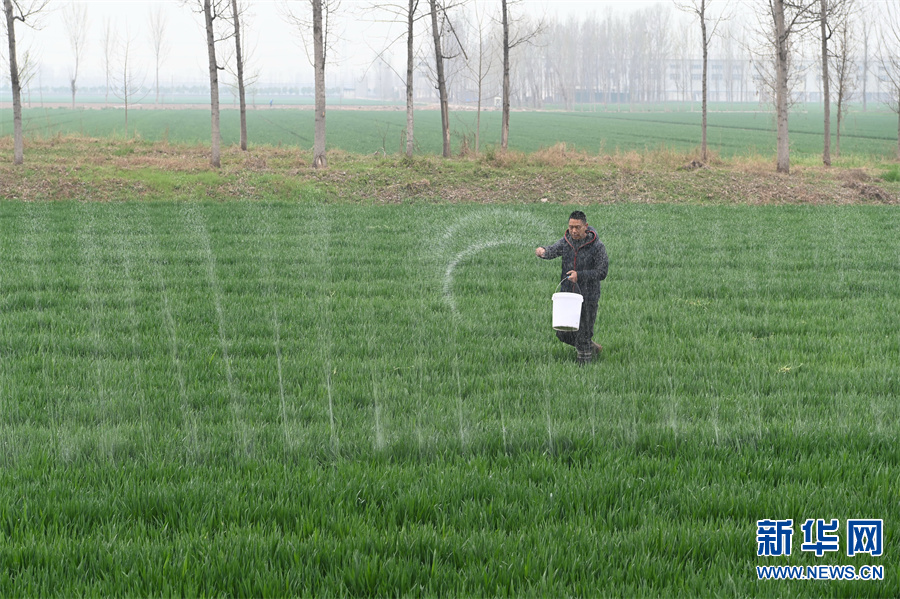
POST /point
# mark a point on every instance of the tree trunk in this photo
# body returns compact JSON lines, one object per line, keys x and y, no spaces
{"x":126,"y":83}
{"x":107,"y":49}
{"x":18,"y":143}
{"x":410,"y":64}
{"x":837,"y":143}
{"x":442,"y":84}
{"x":781,"y":88}
{"x":480,"y":80}
{"x":504,"y":126}
{"x":480,"y":86}
{"x":319,"y":159}
{"x":214,"y":159}
{"x":865,"y":61}
{"x":157,"y":31}
{"x":703,"y":150}
{"x":865,"y":76}
{"x":826,"y":86}
{"x":240,"y":73}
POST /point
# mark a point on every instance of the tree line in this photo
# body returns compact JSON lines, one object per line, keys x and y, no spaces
{"x":493,"y":52}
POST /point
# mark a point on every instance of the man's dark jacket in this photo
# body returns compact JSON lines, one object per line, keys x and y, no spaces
{"x":587,"y":257}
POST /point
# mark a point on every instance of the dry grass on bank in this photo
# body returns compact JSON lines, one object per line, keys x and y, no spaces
{"x":78,"y":168}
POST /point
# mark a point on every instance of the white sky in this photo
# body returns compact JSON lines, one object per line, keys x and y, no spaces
{"x":279,"y":53}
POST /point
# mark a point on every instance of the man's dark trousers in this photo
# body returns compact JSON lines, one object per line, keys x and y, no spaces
{"x":581,"y":339}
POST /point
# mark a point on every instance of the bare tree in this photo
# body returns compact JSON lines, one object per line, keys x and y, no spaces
{"x":437,"y":7}
{"x":562,"y":62}
{"x":212,"y":11}
{"x":523,"y":37}
{"x":29,"y":68}
{"x":867,"y":37}
{"x":734,"y":67}
{"x":681,"y":76}
{"x":825,"y":36}
{"x":592,"y":57}
{"x":479,"y":72}
{"x":845,"y":69}
{"x":444,"y":38}
{"x":108,"y":42}
{"x":406,"y":12}
{"x":245,"y":78}
{"x":128,"y":83}
{"x":24,"y":12}
{"x":660,"y":36}
{"x":700,"y":9}
{"x":410,"y":65}
{"x":889,"y":59}
{"x":829,"y":13}
{"x":455,"y":42}
{"x":252,"y":73}
{"x":75,"y":19}
{"x":321,"y":25}
{"x":781,"y":22}
{"x":158,"y":42}
{"x":239,"y":65}
{"x":526,"y":78}
{"x":210,"y":14}
{"x":29,"y":65}
{"x":782,"y":31}
{"x":639,"y":56}
{"x":614,"y":73}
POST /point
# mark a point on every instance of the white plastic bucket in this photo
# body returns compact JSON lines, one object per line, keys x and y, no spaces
{"x":566,"y":311}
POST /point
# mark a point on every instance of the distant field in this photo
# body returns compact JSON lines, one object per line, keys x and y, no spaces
{"x":298,"y":399}
{"x":733,"y":131}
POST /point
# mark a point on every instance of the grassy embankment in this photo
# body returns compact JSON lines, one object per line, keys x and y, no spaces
{"x":584,"y":157}
{"x":72,"y":168}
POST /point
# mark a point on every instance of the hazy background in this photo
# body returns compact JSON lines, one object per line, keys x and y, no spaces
{"x":278,"y":52}
{"x":590,"y":52}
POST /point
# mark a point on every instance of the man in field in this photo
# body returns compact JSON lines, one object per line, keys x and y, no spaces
{"x":585,"y":263}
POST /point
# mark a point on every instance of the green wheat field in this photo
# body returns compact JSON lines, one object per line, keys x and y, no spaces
{"x":283,"y":399}
{"x":735,"y":130}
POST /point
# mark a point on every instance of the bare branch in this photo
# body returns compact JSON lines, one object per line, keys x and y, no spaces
{"x":889,"y":52}
{"x":29,"y":11}
{"x":453,"y":31}
{"x":802,"y":15}
{"x":531,"y":34}
{"x":158,"y":42}
{"x":303,"y":22}
{"x":75,"y":19}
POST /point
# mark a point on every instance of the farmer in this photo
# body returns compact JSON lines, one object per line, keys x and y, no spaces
{"x":584,"y":262}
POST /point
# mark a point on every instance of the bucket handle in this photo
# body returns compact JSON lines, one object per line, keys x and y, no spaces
{"x":559,"y":286}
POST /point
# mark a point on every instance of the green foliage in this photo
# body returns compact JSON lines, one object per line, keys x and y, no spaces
{"x":260,"y":399}
{"x":892,"y":174}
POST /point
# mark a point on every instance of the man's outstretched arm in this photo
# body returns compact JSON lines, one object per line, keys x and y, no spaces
{"x":551,"y":252}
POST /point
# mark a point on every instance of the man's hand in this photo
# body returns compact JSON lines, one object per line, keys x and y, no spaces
{"x":539,"y":252}
{"x":572,"y":276}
